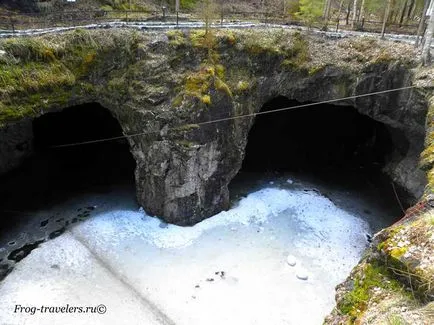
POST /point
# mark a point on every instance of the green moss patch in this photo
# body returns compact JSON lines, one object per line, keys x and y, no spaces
{"x":33,"y":77}
{"x":176,"y":38}
{"x":210,"y":76}
{"x":371,"y":277}
{"x":201,"y":39}
{"x":297,"y":55}
{"x":407,"y":249}
{"x":42,"y":72}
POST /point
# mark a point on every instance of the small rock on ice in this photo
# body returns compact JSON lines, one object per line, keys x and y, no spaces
{"x":289,"y":181}
{"x":302,"y":274}
{"x":291,"y":260}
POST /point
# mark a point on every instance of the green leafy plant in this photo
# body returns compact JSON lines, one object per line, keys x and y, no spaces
{"x":310,"y":11}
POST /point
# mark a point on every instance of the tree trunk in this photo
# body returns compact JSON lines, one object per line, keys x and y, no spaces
{"x":348,"y":13}
{"x":403,"y":10}
{"x":327,"y":10}
{"x":392,"y":15}
{"x":362,"y":11}
{"x":338,"y":19}
{"x":386,"y":17}
{"x":410,"y":8}
{"x":422,"y":22}
{"x":354,"y":13}
{"x":426,"y":51}
{"x":413,"y":11}
{"x":207,"y":16}
{"x":341,"y":5}
{"x":324,"y":9}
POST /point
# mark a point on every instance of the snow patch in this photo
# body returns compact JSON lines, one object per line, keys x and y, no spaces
{"x":313,"y":210}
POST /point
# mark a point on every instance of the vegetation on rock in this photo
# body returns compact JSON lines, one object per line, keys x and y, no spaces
{"x":395,"y":279}
{"x":372,"y":277}
{"x":43,"y":72}
{"x":125,"y":69}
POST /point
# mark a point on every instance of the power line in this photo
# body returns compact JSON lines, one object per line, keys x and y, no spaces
{"x":233,"y":117}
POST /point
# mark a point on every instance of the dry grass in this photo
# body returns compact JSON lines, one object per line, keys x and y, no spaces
{"x":44,"y":67}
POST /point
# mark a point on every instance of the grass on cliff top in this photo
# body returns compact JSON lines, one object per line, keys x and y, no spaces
{"x":211,"y":73}
{"x":291,"y":46}
{"x":53,"y":64}
{"x":30,"y":65}
{"x":301,"y":50}
{"x":59,"y":62}
{"x":362,"y":50}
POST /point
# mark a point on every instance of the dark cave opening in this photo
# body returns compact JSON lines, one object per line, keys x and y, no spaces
{"x":319,"y":138}
{"x":55,"y":174}
{"x":333,"y":146}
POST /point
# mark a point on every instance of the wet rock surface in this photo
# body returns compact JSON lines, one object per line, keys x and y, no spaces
{"x":17,"y":144}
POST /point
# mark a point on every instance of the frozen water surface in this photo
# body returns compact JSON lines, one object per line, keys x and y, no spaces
{"x":229,"y":269}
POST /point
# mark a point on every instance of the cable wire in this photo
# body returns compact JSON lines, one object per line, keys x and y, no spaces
{"x":126,"y":136}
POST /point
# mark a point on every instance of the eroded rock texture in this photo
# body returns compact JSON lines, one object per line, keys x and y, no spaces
{"x":15,"y":144}
{"x":165,"y":84}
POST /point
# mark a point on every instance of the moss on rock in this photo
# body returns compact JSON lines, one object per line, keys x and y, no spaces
{"x":427,"y":156}
{"x":157,"y":83}
{"x":37,"y":74}
{"x":371,"y":277}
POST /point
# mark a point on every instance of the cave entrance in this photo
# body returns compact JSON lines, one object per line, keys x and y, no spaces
{"x":316,"y":139}
{"x":54,"y":174}
{"x":57,"y":187}
{"x":334,"y":146}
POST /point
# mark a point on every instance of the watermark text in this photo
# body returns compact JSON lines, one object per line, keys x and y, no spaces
{"x":66,"y":309}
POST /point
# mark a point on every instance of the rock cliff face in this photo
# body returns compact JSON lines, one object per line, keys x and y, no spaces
{"x":166,"y":84}
{"x":16,"y":145}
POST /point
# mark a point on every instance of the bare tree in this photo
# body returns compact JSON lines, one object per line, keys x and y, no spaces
{"x":327,"y":7}
{"x":341,"y":6}
{"x":403,"y":10}
{"x":422,"y":22}
{"x":386,"y":17}
{"x":411,"y":8}
{"x":361,"y":14}
{"x":207,"y":10}
{"x":355,"y":3}
{"x":426,"y":51}
{"x":338,"y":19}
{"x":348,"y":13}
{"x":324,"y":9}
